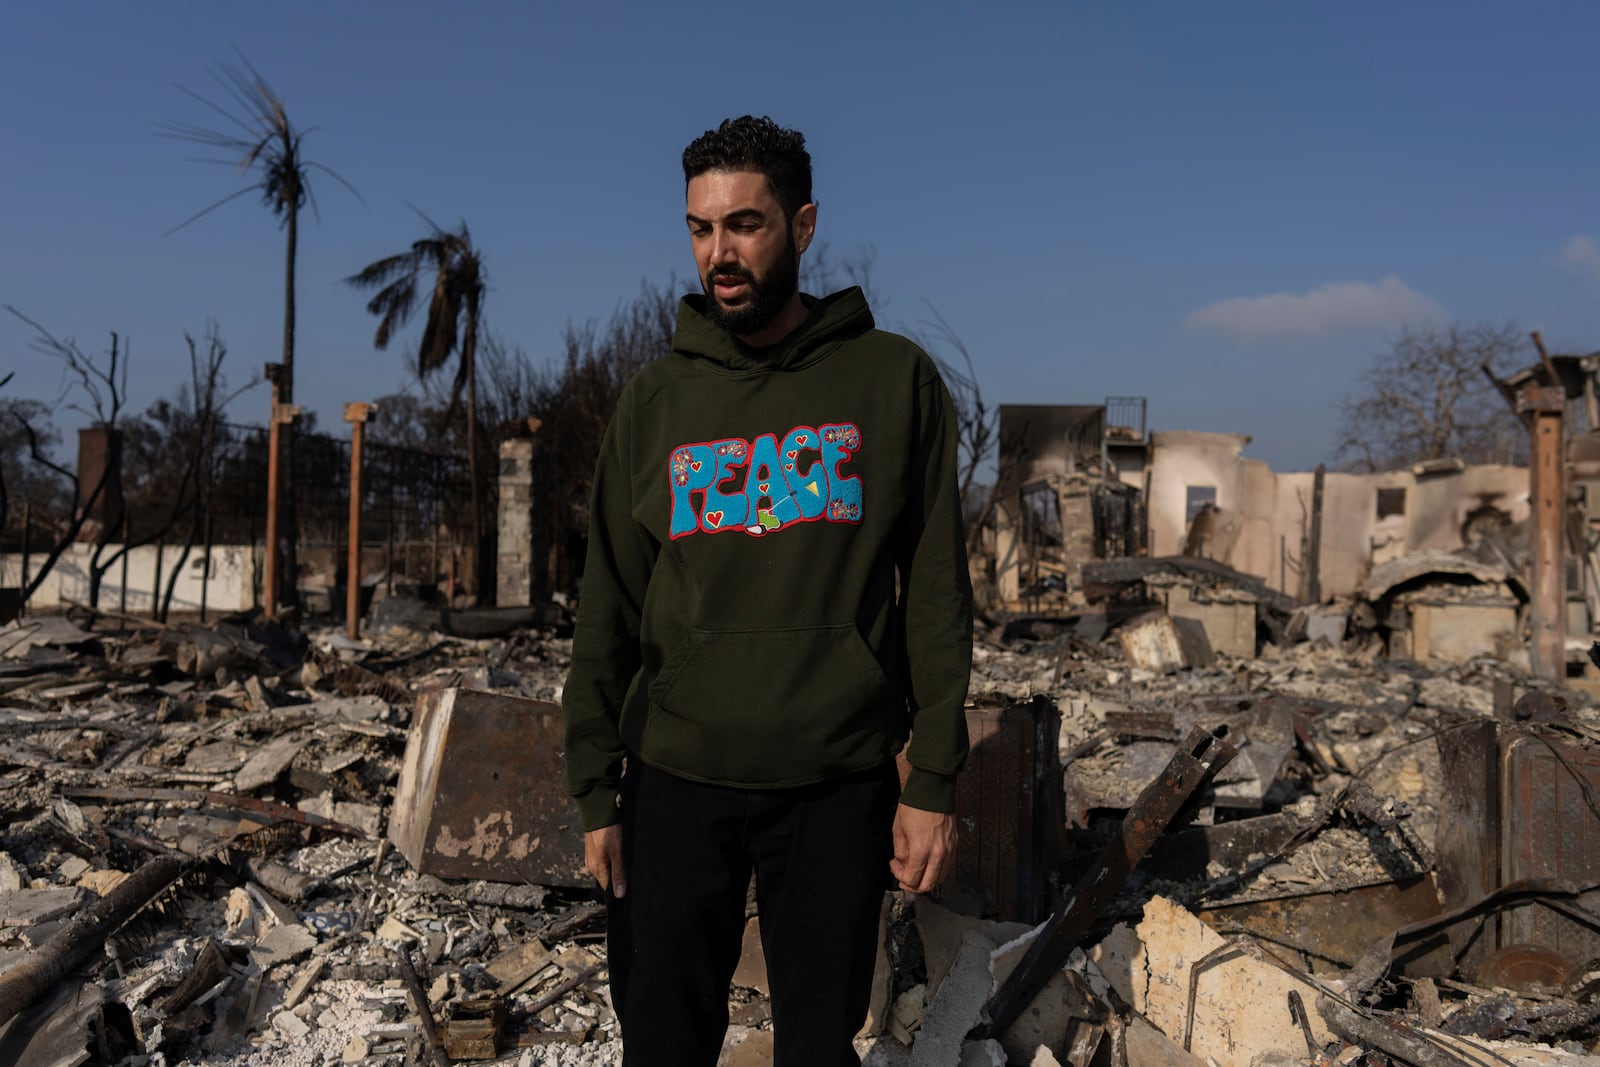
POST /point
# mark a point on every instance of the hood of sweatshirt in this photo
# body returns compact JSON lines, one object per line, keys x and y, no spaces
{"x":830,"y":320}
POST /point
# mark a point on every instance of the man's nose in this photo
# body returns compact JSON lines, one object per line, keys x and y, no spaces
{"x":721,"y":248}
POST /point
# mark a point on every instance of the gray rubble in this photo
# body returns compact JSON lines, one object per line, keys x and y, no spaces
{"x":267,"y":761}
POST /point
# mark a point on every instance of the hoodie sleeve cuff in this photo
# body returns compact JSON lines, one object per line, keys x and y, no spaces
{"x":929,"y":791}
{"x":598,"y":809}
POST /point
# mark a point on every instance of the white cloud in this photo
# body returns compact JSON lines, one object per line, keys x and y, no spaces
{"x":1581,"y":255}
{"x":1337,"y":307}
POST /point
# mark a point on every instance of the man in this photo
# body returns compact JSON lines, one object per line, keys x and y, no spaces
{"x":775,"y":595}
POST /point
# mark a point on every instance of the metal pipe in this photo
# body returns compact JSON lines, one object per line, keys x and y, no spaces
{"x":269,"y":597}
{"x":1545,"y":409}
{"x":356,"y":415}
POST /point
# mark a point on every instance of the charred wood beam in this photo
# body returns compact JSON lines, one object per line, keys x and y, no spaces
{"x":270,"y":808}
{"x":283,"y":881}
{"x":563,"y":989}
{"x":424,"y":1012}
{"x":1392,"y":1037}
{"x":28,"y":980}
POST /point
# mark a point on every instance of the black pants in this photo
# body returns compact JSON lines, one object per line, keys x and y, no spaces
{"x":820,"y":857}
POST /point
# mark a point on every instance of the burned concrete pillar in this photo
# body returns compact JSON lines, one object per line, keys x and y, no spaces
{"x":514,"y":575}
{"x":100,"y":481}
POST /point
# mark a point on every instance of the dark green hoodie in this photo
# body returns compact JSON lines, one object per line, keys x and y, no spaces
{"x":776,"y":591}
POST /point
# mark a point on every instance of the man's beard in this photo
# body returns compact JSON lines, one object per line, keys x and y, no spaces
{"x":767,"y":294}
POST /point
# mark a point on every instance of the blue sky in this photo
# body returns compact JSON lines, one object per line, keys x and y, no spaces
{"x":1227,"y":208}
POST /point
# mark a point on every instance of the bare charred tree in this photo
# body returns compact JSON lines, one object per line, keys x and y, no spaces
{"x":1427,"y":398}
{"x":823,"y":272}
{"x":170,"y":463}
{"x":259,"y":139}
{"x":36,"y":488}
{"x":575,"y":399}
{"x":103,"y":391}
{"x":451,"y":329}
{"x":977,"y":423}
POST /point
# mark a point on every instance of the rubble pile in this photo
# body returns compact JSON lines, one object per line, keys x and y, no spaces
{"x":260,"y":767}
{"x":1360,"y":860}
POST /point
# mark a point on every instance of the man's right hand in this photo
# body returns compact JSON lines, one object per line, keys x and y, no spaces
{"x":602,"y":854}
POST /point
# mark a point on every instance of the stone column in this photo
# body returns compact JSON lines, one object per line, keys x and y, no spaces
{"x":514,"y":573}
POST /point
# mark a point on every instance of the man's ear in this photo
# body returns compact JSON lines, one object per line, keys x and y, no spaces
{"x":805,"y":227}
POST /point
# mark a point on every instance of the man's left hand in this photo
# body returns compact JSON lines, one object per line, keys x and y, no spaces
{"x":924,"y":841}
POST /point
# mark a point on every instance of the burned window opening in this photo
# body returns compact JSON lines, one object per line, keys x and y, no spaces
{"x":1482,"y":524}
{"x":1391,"y":502}
{"x":1197,"y":499}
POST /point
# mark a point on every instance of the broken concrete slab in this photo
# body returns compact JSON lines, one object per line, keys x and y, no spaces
{"x":1148,"y":1047}
{"x":942,"y":932}
{"x":1240,"y":1002}
{"x":1164,"y":644}
{"x":982,"y":1054}
{"x":957,"y":1004}
{"x":268,"y":762}
{"x":282,"y":944}
{"x":30,"y":907}
{"x":1047,"y":1019}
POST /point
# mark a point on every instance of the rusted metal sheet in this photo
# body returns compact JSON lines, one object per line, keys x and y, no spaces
{"x":1338,"y":927}
{"x":1551,"y":831}
{"x":480,"y":792}
{"x":1199,"y":757}
{"x":1009,"y":811}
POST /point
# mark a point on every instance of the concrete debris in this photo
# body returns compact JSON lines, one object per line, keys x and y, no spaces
{"x":1208,"y":995}
{"x":1396,"y":841}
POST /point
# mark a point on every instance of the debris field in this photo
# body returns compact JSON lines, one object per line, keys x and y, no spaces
{"x":247,"y":842}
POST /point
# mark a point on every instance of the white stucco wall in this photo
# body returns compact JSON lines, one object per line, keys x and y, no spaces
{"x":1273,"y":509}
{"x":229,"y":589}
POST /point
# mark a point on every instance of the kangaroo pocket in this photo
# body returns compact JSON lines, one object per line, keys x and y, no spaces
{"x":770,"y":707}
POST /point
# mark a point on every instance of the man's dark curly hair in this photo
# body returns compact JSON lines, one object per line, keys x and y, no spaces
{"x":761,"y":145}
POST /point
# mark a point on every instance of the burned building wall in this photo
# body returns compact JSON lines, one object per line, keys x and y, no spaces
{"x":1366,"y":518}
{"x":1188,"y":470}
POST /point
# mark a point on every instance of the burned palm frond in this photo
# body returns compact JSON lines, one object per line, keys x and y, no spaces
{"x":256,"y":135}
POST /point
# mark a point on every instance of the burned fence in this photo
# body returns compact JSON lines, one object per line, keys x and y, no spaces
{"x":201,"y":547}
{"x":416,"y":512}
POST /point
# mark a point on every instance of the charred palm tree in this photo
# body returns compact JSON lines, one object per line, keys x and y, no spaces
{"x":455,"y":310}
{"x":257,"y":138}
